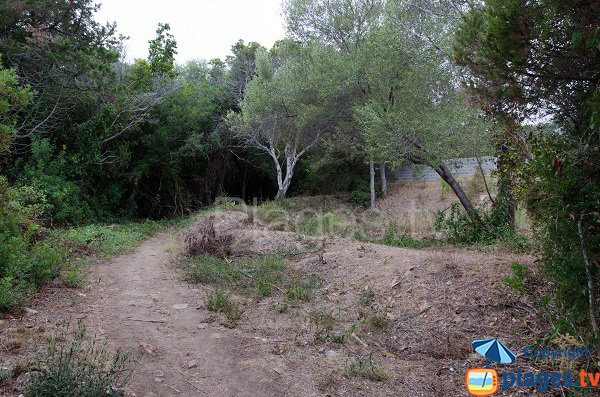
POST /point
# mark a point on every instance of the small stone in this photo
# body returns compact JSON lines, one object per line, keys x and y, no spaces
{"x":322,"y":350}
{"x":331,"y":354}
{"x":192,"y":364}
{"x":30,"y":312}
{"x":158,"y":380}
{"x":202,"y":326}
{"x":180,"y":306}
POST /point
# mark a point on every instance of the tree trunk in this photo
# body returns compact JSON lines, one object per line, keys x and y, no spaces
{"x":445,"y":173}
{"x":372,"y":177}
{"x":383,"y":180}
{"x":244,"y":181}
{"x":284,"y":185}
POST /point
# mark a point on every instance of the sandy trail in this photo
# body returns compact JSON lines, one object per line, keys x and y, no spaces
{"x":137,"y":300}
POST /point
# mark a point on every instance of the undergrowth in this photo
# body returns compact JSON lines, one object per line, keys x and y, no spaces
{"x":78,"y":365}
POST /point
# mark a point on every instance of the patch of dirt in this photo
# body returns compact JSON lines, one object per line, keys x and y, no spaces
{"x":409,"y":314}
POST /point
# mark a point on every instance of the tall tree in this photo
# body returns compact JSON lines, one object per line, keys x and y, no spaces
{"x":162,"y":51}
{"x":538,"y":62}
{"x":288,"y":106}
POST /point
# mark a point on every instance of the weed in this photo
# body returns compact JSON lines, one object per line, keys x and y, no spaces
{"x":364,"y":367}
{"x":375,"y":322}
{"x":367,"y":295}
{"x":392,"y":238}
{"x":323,"y":323}
{"x":72,"y":277}
{"x":220,"y":302}
{"x":299,"y":289}
{"x":520,"y":273}
{"x":78,"y":366}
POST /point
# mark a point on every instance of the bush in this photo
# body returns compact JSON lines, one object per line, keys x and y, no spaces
{"x":203,"y":240}
{"x":26,"y":259}
{"x":78,"y":366}
{"x":360,"y":198}
{"x":479,"y":228}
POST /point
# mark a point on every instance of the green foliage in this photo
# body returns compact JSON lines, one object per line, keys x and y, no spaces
{"x":521,"y":56}
{"x":78,"y":365}
{"x":162,"y":51}
{"x":220,"y":302}
{"x":13,"y":98}
{"x":111,"y":240}
{"x":520,"y":273}
{"x":26,"y":261}
{"x":392,"y":238}
{"x":556,"y":200}
{"x":479,"y":228}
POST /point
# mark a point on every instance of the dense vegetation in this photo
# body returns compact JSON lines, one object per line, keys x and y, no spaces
{"x":357,"y":86}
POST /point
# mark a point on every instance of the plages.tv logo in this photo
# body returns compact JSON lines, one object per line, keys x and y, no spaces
{"x":484,"y":381}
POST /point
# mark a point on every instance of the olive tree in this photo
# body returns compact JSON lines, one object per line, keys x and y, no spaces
{"x":288,"y":105}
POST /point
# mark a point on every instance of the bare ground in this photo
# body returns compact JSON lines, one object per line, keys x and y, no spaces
{"x":434,"y":302}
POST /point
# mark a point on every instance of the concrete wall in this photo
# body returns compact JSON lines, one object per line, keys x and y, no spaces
{"x":459,"y":167}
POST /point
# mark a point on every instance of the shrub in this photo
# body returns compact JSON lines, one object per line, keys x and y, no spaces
{"x":203,"y":240}
{"x":78,"y":366}
{"x":26,"y":259}
{"x":478,"y":228}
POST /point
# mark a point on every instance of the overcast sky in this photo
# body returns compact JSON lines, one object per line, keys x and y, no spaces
{"x":203,"y":28}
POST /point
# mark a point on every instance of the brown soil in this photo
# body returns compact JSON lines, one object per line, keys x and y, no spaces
{"x":434,"y":302}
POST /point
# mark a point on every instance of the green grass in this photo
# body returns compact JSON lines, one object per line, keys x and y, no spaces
{"x":393,"y":239}
{"x":520,"y":274}
{"x":220,"y":302}
{"x":116,"y":239}
{"x":257,"y":277}
{"x":364,"y":367}
{"x":253,"y":276}
{"x":110,"y":240}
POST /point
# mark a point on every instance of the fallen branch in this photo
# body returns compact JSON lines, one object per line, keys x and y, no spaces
{"x":359,"y":340}
{"x":147,"y":321}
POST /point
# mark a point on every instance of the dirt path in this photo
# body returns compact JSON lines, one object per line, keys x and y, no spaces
{"x":408,"y":314}
{"x":138,"y":302}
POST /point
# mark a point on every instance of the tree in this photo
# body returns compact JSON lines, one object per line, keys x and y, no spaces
{"x":13,"y":99}
{"x":162,"y":51}
{"x":60,"y":52}
{"x":537,"y":62}
{"x":288,"y":106}
{"x":401,"y":88}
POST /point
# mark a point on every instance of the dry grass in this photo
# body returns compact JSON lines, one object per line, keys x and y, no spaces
{"x":202,"y":239}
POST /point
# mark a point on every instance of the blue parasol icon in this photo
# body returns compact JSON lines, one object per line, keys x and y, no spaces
{"x":494,"y":350}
